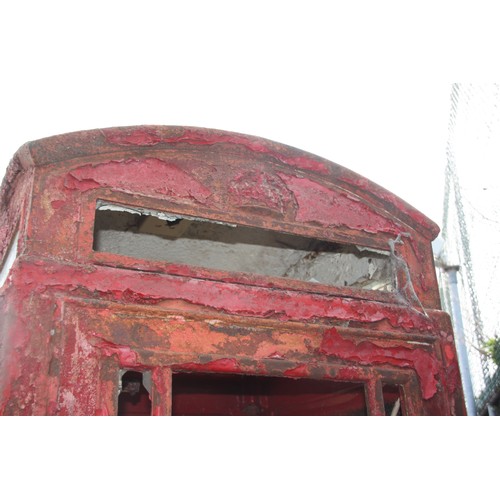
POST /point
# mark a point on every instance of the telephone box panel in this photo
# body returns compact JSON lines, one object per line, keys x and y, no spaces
{"x":184,"y":271}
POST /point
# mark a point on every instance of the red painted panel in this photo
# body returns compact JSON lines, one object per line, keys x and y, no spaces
{"x":72,"y":320}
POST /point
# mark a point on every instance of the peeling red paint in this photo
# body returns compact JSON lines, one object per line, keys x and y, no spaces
{"x":348,"y":212}
{"x":223,"y":365}
{"x":348,"y":373}
{"x":156,"y":176}
{"x":364,"y":185}
{"x":78,"y":182}
{"x":263,"y":190}
{"x":276,"y":355}
{"x":226,"y":297}
{"x":301,"y":370}
{"x":205,"y":137}
{"x":426,"y":365}
{"x":136,"y":137}
{"x":72,"y":318}
{"x":126,"y":356}
{"x":449,"y":352}
{"x":159,"y":381}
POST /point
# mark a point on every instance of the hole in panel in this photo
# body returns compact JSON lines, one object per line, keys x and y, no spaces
{"x":134,"y":399}
{"x":393,"y":400}
{"x":153,"y":235}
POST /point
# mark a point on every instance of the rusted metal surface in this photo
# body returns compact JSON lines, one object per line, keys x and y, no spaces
{"x":73,"y":319}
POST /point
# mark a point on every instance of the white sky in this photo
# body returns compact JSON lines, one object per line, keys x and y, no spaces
{"x":352,"y":85}
{"x":393,"y":134}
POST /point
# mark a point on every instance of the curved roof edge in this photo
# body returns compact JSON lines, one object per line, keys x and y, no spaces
{"x":88,"y":143}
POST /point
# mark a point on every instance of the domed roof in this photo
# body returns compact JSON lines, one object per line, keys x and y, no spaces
{"x":301,"y":170}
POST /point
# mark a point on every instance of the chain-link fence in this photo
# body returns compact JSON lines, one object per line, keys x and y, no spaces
{"x":471,"y":223}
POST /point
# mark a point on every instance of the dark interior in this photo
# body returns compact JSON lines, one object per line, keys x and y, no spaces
{"x":134,"y":399}
{"x":393,"y":402}
{"x":224,"y":395}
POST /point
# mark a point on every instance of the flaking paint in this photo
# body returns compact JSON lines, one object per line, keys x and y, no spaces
{"x":71,"y":318}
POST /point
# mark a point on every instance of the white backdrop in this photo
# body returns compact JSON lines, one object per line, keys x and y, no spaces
{"x":327,"y":80}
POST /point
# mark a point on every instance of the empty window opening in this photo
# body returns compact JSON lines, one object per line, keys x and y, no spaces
{"x":153,"y":235}
{"x":134,"y":399}
{"x":240,"y":395}
{"x":393,"y":400}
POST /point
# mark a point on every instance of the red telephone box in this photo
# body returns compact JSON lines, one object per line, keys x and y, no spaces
{"x":185,"y":271}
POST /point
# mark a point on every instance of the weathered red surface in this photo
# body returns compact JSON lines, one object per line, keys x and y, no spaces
{"x":73,"y":319}
{"x":365,"y":352}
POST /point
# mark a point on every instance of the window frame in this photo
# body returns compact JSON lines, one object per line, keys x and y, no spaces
{"x":86,"y":252}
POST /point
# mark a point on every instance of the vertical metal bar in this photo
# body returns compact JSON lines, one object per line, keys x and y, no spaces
{"x":108,"y":390}
{"x":161,"y":394}
{"x":412,"y":397}
{"x":463,"y":359}
{"x":374,"y":397}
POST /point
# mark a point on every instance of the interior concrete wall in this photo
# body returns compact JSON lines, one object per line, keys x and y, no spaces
{"x":163,"y":237}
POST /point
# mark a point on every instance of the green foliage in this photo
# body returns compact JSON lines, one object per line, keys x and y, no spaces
{"x":492,"y":348}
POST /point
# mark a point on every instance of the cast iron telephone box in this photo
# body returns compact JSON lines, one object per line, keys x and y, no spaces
{"x":186,"y":271}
